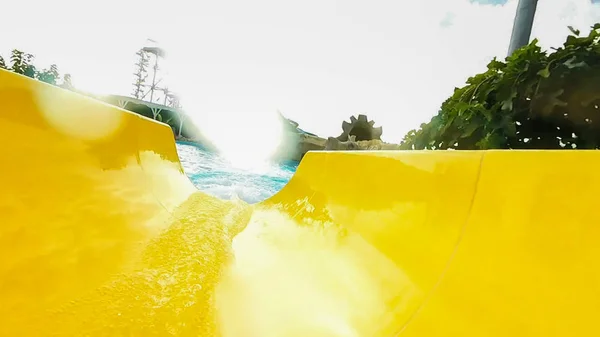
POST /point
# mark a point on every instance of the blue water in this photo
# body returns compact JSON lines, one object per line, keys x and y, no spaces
{"x":214,"y":175}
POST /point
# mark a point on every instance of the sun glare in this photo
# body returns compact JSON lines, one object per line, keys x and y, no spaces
{"x":246,"y":129}
{"x":247,"y":140}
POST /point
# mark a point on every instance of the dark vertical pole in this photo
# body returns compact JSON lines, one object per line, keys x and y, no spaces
{"x":522,"y":26}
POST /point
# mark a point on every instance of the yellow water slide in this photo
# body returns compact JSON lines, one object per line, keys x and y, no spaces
{"x":102,"y":234}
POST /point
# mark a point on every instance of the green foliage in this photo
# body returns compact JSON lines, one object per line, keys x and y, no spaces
{"x":22,"y":63}
{"x":66,"y":83}
{"x":49,"y":75}
{"x":533,"y":100}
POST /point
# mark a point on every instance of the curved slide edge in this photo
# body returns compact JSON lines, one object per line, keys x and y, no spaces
{"x":93,"y":201}
{"x":528,"y":262}
{"x":397,"y":218}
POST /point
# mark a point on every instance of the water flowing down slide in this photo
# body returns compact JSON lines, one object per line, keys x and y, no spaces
{"x":102,"y":234}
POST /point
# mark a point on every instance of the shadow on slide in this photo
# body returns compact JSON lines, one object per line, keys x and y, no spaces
{"x":102,"y":234}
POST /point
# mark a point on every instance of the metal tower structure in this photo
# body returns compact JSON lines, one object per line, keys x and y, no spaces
{"x":157,"y":54}
{"x":151,"y":92}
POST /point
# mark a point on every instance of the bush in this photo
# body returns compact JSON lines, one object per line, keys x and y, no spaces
{"x":533,"y":100}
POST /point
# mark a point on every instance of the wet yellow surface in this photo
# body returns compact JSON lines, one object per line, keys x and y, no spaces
{"x":102,"y":234}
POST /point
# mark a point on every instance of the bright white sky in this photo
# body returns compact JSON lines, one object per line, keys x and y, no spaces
{"x":317,"y":61}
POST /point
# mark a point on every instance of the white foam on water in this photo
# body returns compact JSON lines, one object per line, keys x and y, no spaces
{"x":214,"y":175}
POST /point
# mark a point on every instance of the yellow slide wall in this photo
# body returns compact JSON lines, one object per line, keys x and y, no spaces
{"x":102,"y":234}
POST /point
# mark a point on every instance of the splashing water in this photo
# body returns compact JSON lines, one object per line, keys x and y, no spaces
{"x":216,"y":176}
{"x":305,"y":279}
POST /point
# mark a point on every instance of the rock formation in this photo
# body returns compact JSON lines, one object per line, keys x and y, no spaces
{"x":311,"y":143}
{"x":334,"y":144}
{"x":295,"y":143}
{"x":362,"y":128}
{"x":376,"y":145}
{"x":358,"y":134}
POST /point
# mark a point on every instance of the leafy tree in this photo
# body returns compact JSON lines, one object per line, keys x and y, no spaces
{"x":21,"y":63}
{"x":17,"y":61}
{"x":533,"y":100}
{"x":49,"y":75}
{"x":66,"y":83}
{"x":30,"y":69}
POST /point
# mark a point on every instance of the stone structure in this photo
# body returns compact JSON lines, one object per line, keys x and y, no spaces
{"x":358,"y":134}
{"x":334,"y":144}
{"x":295,"y":143}
{"x":362,"y":128}
{"x":288,"y":124}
